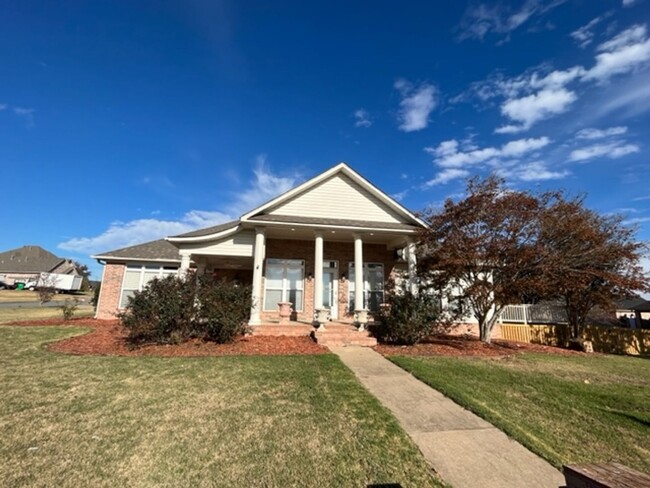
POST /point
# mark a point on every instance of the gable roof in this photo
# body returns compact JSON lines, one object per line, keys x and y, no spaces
{"x":159,"y":250}
{"x":340,"y":169}
{"x":28,"y":259}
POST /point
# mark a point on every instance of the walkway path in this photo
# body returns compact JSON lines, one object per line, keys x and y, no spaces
{"x":464,"y":449}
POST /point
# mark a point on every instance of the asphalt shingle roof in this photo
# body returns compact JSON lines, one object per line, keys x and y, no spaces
{"x":28,"y":259}
{"x":210,"y":230}
{"x":159,"y":250}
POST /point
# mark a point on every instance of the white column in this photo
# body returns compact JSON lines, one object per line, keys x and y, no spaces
{"x":412,"y":266}
{"x":318,"y":272}
{"x":185,"y":263}
{"x":258,"y":264}
{"x":358,"y":273}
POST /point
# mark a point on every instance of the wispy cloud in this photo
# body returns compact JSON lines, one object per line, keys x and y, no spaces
{"x":447,"y":175}
{"x":27,"y":114}
{"x":629,"y":3}
{"x":600,"y":133}
{"x":585,"y":35}
{"x":627,"y":51}
{"x":612,"y":150}
{"x":416,"y":104}
{"x":527,"y":111}
{"x":533,"y":171}
{"x":482,"y":19}
{"x":363,"y":118}
{"x":264,"y":186}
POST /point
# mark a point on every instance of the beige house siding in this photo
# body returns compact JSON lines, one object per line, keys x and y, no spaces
{"x":339,"y":196}
{"x":239,"y":244}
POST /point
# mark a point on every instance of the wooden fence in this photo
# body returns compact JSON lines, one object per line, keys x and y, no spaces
{"x":610,"y":340}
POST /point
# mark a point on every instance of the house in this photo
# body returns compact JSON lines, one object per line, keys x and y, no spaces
{"x":633,"y":311}
{"x":314,"y":247}
{"x":28,"y":262}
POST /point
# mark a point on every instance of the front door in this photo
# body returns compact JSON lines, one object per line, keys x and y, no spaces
{"x":331,"y":288}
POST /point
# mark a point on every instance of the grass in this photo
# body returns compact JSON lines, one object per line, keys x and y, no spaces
{"x":568,"y":409}
{"x":38,"y":313}
{"x":71,"y":421}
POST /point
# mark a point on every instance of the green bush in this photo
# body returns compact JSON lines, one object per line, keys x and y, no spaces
{"x":224,"y":308}
{"x":172,"y":310}
{"x":408,"y":318}
{"x":164,"y":312}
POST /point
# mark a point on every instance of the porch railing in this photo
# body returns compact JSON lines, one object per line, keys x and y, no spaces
{"x":533,"y":314}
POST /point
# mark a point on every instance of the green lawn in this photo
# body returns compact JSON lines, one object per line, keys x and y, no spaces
{"x":567,"y":409}
{"x":71,"y":421}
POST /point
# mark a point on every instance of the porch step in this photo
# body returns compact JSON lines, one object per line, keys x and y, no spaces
{"x":276,"y":329}
{"x":343,"y":335}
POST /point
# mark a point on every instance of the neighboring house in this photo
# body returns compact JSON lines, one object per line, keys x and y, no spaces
{"x":633,"y":311}
{"x":28,"y":262}
{"x":314,"y":246}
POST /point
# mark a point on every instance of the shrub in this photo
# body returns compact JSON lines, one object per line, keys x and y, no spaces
{"x":173,"y":310}
{"x":224,"y":308}
{"x":69,"y":308}
{"x":163,"y":312}
{"x":408,"y":318}
{"x":94,"y":301}
{"x":46,"y":293}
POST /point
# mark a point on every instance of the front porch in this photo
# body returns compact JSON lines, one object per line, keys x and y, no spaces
{"x":314,"y":270}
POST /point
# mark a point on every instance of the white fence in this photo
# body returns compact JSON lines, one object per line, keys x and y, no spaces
{"x":534,"y":314}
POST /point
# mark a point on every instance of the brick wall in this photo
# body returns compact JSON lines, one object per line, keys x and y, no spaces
{"x":109,"y":295}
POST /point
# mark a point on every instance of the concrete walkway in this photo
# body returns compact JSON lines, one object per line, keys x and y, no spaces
{"x":465,"y":450}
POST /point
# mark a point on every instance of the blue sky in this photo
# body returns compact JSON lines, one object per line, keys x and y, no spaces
{"x":122,"y":122}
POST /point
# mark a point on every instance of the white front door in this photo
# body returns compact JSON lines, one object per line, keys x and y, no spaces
{"x":331,"y":288}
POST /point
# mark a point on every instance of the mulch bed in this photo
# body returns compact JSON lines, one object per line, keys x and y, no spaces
{"x":468,"y":346}
{"x":108,"y":338}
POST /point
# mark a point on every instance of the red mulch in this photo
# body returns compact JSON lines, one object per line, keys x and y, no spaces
{"x":109,"y":339}
{"x":468,"y":346}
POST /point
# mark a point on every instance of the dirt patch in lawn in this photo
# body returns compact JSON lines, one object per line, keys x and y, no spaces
{"x":108,"y":338}
{"x":467,"y":346}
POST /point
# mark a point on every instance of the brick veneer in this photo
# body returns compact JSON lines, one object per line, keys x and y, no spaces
{"x":109,"y":295}
{"x":343,"y":252}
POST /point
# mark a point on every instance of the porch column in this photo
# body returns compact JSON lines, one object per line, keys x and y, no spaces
{"x":412,"y":266}
{"x":258,"y":264}
{"x":360,"y":313}
{"x":318,"y":272}
{"x":185,"y":263}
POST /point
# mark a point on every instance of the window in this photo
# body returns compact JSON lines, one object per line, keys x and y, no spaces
{"x":137,"y":277}
{"x":284,"y":283}
{"x":373,"y":286}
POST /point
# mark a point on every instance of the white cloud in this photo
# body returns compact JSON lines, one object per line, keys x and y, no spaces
{"x":123,"y":234}
{"x":629,"y":3}
{"x":3,"y":106}
{"x":531,"y":109}
{"x":612,"y":150}
{"x":416,"y":105}
{"x":533,"y":171}
{"x":264,"y":186}
{"x":363,"y":118}
{"x":447,"y":175}
{"x":624,"y":53}
{"x":448,"y":155}
{"x":600,"y":133}
{"x":482,"y":19}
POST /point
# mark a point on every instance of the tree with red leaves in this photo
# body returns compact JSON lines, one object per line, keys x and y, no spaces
{"x":590,"y":260}
{"x":484,"y":249}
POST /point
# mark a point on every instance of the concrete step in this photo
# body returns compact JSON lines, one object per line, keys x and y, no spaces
{"x":344,"y":335}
